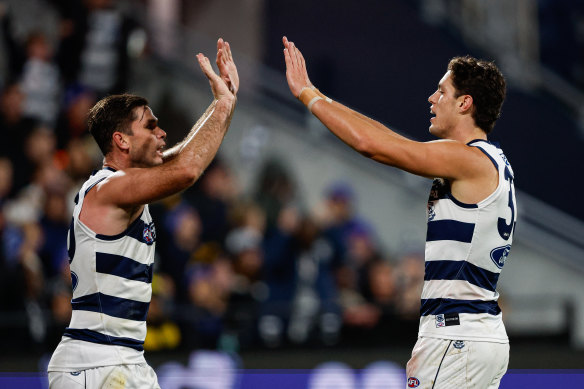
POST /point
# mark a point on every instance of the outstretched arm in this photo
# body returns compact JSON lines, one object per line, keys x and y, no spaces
{"x":447,"y":159}
{"x":229,"y":75}
{"x":186,"y":161}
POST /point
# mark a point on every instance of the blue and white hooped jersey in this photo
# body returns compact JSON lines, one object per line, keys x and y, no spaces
{"x":466,"y":248}
{"x":111,"y":277}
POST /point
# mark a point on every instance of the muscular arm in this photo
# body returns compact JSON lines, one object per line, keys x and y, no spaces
{"x":447,"y":159}
{"x":185,"y":162}
{"x":169,"y":154}
{"x":228,"y":73}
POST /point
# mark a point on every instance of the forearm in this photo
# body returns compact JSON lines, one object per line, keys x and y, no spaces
{"x":367,"y":119}
{"x":198,"y":149}
{"x":174,"y":150}
{"x":367,"y":137}
{"x":341,"y":121}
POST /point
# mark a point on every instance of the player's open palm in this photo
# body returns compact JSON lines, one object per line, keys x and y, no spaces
{"x":218,"y":86}
{"x":226,"y":66}
{"x":296,"y":73}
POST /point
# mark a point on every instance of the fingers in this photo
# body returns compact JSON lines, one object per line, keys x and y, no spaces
{"x":223,"y":52}
{"x":296,"y":58}
{"x":206,"y":66}
{"x":228,"y":51}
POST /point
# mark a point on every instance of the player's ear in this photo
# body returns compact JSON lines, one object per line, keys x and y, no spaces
{"x":121,"y":140}
{"x":465,"y":103}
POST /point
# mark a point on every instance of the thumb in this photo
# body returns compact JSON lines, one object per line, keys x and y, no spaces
{"x":206,"y":66}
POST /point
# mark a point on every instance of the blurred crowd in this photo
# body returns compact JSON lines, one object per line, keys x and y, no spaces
{"x":233,"y":270}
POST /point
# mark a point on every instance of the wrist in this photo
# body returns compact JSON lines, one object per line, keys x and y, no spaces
{"x":226,"y":100}
{"x":308,"y":97}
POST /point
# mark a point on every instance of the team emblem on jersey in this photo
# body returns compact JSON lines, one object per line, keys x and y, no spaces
{"x":74,"y":280}
{"x":440,"y":322}
{"x":431,"y":211}
{"x":413,"y":382}
{"x":499,"y":255}
{"x":149,"y":233}
{"x":459,"y":344}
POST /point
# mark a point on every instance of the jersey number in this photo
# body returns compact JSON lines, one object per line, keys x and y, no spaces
{"x":504,"y":228}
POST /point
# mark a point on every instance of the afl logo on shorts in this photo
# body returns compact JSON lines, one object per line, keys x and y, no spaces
{"x":413,"y":382}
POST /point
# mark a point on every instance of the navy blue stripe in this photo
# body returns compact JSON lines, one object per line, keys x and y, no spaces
{"x":112,"y":306}
{"x":442,"y":191}
{"x":71,"y":243}
{"x":121,"y":266}
{"x":94,"y":184}
{"x":460,"y":203}
{"x":450,"y":230}
{"x":461,"y":270}
{"x":441,"y":305}
{"x":135,"y":230}
{"x":489,"y":155}
{"x":98,"y":337}
{"x":477,"y":140}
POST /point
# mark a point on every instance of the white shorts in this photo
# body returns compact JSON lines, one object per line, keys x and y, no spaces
{"x":114,"y":377}
{"x":445,"y":363}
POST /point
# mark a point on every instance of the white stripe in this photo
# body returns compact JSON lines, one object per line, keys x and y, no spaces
{"x":124,"y":288}
{"x":474,"y":326}
{"x":447,"y":209}
{"x":457,"y":290}
{"x":108,"y":325}
{"x":457,"y":251}
{"x":129,"y":248}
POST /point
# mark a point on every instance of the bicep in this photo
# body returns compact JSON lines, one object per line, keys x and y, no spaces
{"x":445,"y":159}
{"x":137,"y":186}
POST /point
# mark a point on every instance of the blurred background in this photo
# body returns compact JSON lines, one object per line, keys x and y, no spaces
{"x":292,"y":250}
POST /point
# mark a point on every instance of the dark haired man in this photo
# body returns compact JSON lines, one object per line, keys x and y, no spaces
{"x":112,"y":237}
{"x":462,"y":341}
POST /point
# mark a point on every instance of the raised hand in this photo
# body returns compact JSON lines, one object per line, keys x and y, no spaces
{"x":296,"y":73}
{"x":226,"y":66}
{"x":219,"y":86}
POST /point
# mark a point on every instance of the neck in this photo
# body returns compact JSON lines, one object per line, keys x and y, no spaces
{"x":466,"y":133}
{"x":115,"y":163}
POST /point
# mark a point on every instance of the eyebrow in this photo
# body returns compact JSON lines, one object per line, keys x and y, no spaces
{"x":151,"y":121}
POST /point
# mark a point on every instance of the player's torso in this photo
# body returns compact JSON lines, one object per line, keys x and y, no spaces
{"x":466,"y":248}
{"x":111,"y":279}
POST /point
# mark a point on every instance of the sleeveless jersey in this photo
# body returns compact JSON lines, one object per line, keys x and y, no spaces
{"x":466,"y":248}
{"x":111,"y":279}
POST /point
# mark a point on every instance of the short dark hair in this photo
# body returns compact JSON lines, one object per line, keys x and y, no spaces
{"x":111,"y":114}
{"x":485,"y":83}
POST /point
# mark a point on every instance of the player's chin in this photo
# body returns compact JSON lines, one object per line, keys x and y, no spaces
{"x":157,"y":160}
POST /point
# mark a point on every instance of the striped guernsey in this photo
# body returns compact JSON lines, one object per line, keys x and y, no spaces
{"x":466,"y":248}
{"x":111,"y":277}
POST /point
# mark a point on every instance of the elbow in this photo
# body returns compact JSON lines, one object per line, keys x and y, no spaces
{"x":191,"y":175}
{"x":188,"y":175}
{"x":364,"y":146}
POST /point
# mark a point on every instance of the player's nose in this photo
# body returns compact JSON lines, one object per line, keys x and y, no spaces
{"x":431,"y":98}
